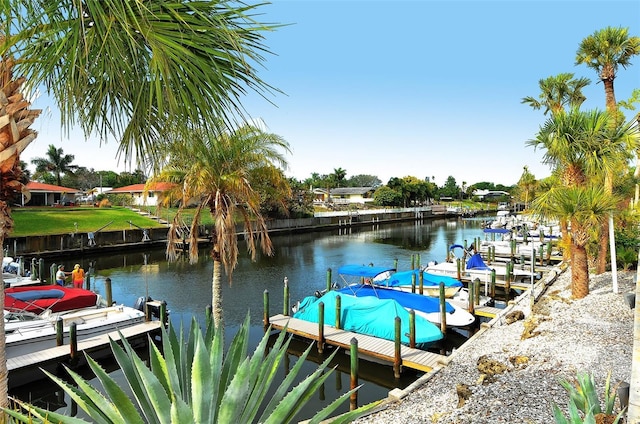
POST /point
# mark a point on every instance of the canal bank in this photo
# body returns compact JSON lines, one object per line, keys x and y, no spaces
{"x":77,"y":244}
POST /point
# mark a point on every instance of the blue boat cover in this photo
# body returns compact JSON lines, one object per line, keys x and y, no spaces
{"x":497,"y":230}
{"x":363,"y":270}
{"x":417,"y":302}
{"x":368,"y":315}
{"x":404,"y":278}
{"x":31,"y":295}
{"x":476,"y":262}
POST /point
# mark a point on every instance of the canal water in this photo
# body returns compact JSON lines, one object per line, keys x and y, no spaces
{"x":303,"y":259}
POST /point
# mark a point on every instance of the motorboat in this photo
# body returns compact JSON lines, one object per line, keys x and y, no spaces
{"x":368,"y":315}
{"x":405,"y":281}
{"x":26,"y":332}
{"x":54,"y":298}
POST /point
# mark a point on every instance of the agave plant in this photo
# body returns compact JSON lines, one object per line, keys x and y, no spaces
{"x":584,"y":404}
{"x":193,"y":382}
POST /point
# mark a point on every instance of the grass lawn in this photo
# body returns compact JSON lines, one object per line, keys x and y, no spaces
{"x":82,"y":219}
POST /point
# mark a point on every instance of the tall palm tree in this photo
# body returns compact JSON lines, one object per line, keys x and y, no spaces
{"x":338,"y":176}
{"x":605,"y":51}
{"x":216,"y":171}
{"x":56,"y":163}
{"x":558,"y":93}
{"x":127,"y":70}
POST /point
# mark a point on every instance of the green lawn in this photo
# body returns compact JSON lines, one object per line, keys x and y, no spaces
{"x":83,"y":219}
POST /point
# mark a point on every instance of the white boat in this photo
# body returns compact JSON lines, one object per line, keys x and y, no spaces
{"x":26,"y":332}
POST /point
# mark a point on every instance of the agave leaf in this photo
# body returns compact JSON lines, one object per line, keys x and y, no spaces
{"x":44,"y":415}
{"x":125,"y":408}
{"x":347,"y":417}
{"x":216,"y":358}
{"x":160,"y":368}
{"x":268,"y":370}
{"x":201,"y":378}
{"x":287,"y":382}
{"x":182,"y":413}
{"x":589,"y":392}
{"x":609,"y":395}
{"x":156,"y":394}
{"x":236,"y":394}
{"x":139,"y":390}
{"x":236,"y":353}
{"x":296,"y":398}
{"x":558,"y":416}
{"x":83,"y":395}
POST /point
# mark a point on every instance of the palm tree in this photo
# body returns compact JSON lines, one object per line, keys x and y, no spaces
{"x":558,"y":93}
{"x":604,"y":51}
{"x":584,"y":207}
{"x":130,"y":71}
{"x":338,"y":176}
{"x":56,"y":163}
{"x":217,"y":172}
{"x":526,"y":186}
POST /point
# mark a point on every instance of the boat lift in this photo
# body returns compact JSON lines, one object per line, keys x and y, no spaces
{"x":91,"y":236}
{"x":145,"y":232}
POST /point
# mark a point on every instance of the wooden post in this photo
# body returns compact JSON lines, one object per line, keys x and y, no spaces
{"x":338,"y":311}
{"x":412,"y":328}
{"x":421,"y":280}
{"x":459,"y":267}
{"x":328,"y":280}
{"x":73,"y":342}
{"x":513,"y":248}
{"x":41,"y":275}
{"x":418,"y":260}
{"x":147,"y":312}
{"x":413,"y":262}
{"x":395,"y":264}
{"x":413,"y":283}
{"x":541,"y":254}
{"x":397,"y":361}
{"x":548,"y":252}
{"x":52,"y":273}
{"x":107,"y":288}
{"x":34,"y":274}
{"x":443,"y":310}
{"x":59,"y":331}
{"x":472,"y":292}
{"x":265,"y":309}
{"x":321,"y":327}
{"x":354,"y":374}
{"x":164,"y":318}
{"x":87,"y":281}
{"x":493,"y":283}
{"x":285,"y":305}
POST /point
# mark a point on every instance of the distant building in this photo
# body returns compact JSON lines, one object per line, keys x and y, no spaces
{"x":352,"y":195}
{"x":138,"y":194}
{"x":49,"y":195}
{"x":488,"y":194}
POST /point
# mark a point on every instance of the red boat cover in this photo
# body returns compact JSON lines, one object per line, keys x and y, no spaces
{"x":37,"y":299}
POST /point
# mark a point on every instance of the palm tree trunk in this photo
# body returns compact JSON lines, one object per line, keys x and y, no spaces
{"x":216,"y":295}
{"x":579,"y":272}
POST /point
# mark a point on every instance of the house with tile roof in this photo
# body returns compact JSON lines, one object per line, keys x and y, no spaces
{"x":49,"y":195}
{"x":142,"y":194}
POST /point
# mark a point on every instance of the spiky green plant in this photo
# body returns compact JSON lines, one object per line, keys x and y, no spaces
{"x":584,"y":403}
{"x":193,"y":382}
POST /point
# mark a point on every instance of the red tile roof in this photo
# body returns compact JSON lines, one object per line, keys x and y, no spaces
{"x":36,"y":186}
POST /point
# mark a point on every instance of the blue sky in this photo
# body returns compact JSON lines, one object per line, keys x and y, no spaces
{"x":420,"y":88}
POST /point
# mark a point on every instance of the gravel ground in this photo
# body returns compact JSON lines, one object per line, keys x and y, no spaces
{"x":568,"y":336}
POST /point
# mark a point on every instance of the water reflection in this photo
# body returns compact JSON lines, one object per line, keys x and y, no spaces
{"x":305,"y":259}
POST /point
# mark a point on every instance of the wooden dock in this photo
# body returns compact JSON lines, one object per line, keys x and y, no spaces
{"x":373,"y":347}
{"x":20,"y":366}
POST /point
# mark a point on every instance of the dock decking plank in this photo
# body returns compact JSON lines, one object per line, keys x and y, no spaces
{"x":367,"y":345}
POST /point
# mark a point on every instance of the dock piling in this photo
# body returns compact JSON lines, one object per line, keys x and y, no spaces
{"x":321,"y":327}
{"x":397,"y":360}
{"x":265,"y":309}
{"x":354,"y":374}
{"x":285,"y":304}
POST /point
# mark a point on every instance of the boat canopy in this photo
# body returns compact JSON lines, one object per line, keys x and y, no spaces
{"x":405,"y":278}
{"x":38,"y":299}
{"x":363,"y":270}
{"x":368,"y":315}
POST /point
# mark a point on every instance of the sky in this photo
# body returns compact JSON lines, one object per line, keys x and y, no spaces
{"x":394,"y":88}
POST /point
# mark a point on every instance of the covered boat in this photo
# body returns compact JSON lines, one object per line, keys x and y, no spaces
{"x":368,"y":315}
{"x":403,"y":280}
{"x":54,"y":298}
{"x":425,"y":306}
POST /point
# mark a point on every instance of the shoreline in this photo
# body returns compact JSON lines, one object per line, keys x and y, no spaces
{"x":565,"y":337}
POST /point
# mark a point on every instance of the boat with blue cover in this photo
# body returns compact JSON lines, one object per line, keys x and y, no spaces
{"x":404,"y":280}
{"x":374,"y":281}
{"x":368,"y":315}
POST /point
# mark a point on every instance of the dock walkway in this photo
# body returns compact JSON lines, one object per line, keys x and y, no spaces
{"x":25,"y":363}
{"x":380,"y":349}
